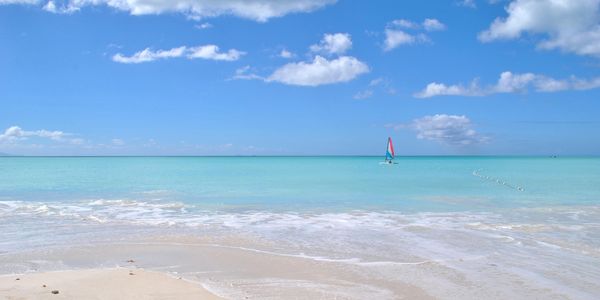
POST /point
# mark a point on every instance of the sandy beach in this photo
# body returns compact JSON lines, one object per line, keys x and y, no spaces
{"x":191,"y":268}
{"x":187,"y":267}
{"x":114,"y":283}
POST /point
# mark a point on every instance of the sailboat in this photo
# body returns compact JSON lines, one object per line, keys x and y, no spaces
{"x":389,"y":153}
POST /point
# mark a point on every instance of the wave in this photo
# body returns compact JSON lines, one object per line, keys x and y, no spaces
{"x":511,"y":226}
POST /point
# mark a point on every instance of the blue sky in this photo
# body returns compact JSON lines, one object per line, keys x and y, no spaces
{"x":306,"y":77}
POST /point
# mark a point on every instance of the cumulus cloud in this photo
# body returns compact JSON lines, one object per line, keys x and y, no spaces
{"x":286,"y":54}
{"x":571,"y":26}
{"x":257,"y":10}
{"x":205,"y":52}
{"x":15,"y":134}
{"x":147,"y":55}
{"x":212,"y":52}
{"x":405,"y":23}
{"x":447,"y":129}
{"x":395,"y":38}
{"x":396,"y":32}
{"x":52,"y":7}
{"x":337,"y":43}
{"x":433,"y":25}
{"x":320,"y":71}
{"x":510,"y":83}
{"x":439,"y":89}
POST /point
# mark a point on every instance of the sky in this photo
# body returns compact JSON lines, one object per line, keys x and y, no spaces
{"x":305,"y":77}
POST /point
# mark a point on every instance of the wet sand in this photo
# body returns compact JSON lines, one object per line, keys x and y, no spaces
{"x":243,"y":267}
{"x":206,"y":270}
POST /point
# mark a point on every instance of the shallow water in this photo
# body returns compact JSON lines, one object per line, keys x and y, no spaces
{"x":495,"y":220}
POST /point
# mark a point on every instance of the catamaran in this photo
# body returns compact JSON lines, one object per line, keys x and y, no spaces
{"x":389,"y":153}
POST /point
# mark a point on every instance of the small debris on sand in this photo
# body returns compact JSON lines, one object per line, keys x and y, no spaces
{"x":43,"y":285}
{"x":131,"y":273}
{"x":55,"y":292}
{"x":18,"y":279}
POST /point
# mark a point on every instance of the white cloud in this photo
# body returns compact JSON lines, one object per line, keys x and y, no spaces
{"x":286,"y":54}
{"x":51,"y":7}
{"x":205,"y":52}
{"x":585,"y":84}
{"x":148,"y":55}
{"x":212,"y":52}
{"x":547,"y":84}
{"x":258,"y":10}
{"x":320,"y":71}
{"x":243,"y":73}
{"x":15,"y":134}
{"x":395,"y":38}
{"x":439,"y":89}
{"x":337,"y":43}
{"x":405,"y":23}
{"x":433,"y":25}
{"x":204,"y":25}
{"x":396,"y":33}
{"x":65,"y":9}
{"x":510,"y":83}
{"x":571,"y":26}
{"x":447,"y":129}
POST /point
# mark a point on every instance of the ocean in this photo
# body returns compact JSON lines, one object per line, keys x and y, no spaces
{"x":535,"y":219}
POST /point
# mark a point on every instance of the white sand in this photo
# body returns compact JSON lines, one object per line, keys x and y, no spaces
{"x":228,"y":272}
{"x":116,"y":283}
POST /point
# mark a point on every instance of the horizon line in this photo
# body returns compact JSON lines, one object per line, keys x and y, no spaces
{"x":317,"y":155}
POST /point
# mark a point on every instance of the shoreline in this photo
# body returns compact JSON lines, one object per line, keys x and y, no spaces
{"x":240,"y":267}
{"x":226,"y":272}
{"x":348,"y":255}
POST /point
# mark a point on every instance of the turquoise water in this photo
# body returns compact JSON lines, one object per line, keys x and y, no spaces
{"x":536,"y":220}
{"x":309,"y":183}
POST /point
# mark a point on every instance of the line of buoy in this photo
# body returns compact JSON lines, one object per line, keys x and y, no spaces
{"x":477,"y":173}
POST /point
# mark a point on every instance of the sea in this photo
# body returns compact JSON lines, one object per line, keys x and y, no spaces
{"x":533,"y":219}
